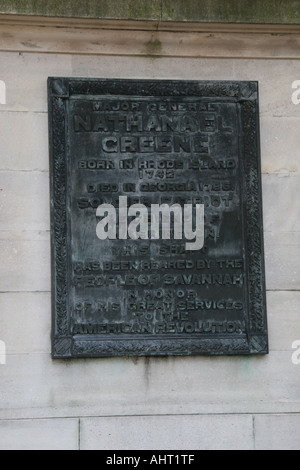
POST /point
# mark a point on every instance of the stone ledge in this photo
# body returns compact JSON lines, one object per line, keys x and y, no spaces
{"x":282,"y":12}
{"x":100,"y":24}
{"x":34,"y":38}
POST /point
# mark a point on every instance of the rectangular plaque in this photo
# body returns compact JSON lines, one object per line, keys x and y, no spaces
{"x":156,"y":218}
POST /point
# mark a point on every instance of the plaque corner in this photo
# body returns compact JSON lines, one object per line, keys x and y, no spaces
{"x":62,"y":348}
{"x":259,"y":344}
{"x":249,"y":91}
{"x":58,"y":87}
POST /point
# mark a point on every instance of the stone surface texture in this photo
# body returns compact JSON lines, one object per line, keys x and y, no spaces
{"x":183,"y":403}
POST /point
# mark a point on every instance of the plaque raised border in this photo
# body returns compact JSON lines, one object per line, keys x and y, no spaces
{"x":64,"y":344}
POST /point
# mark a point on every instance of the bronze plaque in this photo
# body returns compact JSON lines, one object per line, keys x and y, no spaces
{"x":156,"y":218}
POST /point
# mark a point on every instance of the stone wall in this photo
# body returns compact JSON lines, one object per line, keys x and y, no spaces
{"x":158,"y":403}
{"x":218,"y":11}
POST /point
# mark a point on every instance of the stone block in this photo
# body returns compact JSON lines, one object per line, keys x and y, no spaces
{"x":281,"y":194}
{"x":33,"y":385}
{"x":25,"y":322}
{"x":282,"y":254}
{"x":24,"y":201}
{"x":25,"y":265}
{"x":24,"y":141}
{"x":283,"y":319}
{"x":279,"y":143}
{"x":277,"y":432}
{"x":39,"y":434}
{"x":167,"y":433}
{"x":26,"y":76}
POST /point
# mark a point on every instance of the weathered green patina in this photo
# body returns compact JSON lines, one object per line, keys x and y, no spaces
{"x":106,"y":9}
{"x":207,"y":11}
{"x":233,"y":11}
